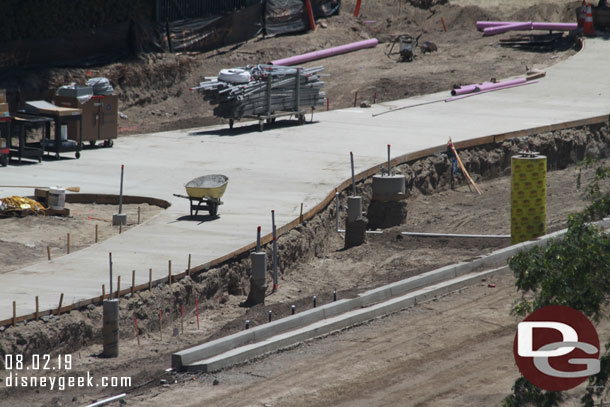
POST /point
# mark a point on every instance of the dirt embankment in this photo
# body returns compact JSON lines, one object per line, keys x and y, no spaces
{"x":154,"y":88}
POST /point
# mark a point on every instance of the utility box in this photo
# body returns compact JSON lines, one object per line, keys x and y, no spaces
{"x":100,"y":117}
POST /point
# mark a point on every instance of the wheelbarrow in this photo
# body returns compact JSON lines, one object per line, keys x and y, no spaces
{"x":204,"y":193}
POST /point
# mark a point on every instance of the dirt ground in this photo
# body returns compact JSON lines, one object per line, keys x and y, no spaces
{"x":384,"y":258}
{"x":452,"y":351}
{"x":154,"y":89}
{"x":24,"y":240}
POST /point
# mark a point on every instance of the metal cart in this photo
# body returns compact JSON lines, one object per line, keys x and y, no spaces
{"x":61,"y":116}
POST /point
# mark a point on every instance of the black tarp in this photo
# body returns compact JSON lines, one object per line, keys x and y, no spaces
{"x":325,"y":8}
{"x":288,"y":16}
{"x":285,"y":16}
{"x":97,"y":46}
{"x":82,"y":49}
{"x":204,"y":34}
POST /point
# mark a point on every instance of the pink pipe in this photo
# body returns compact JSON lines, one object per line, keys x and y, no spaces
{"x":488,"y":24}
{"x":490,"y":85}
{"x":462,"y":90}
{"x":482,"y":87}
{"x":311,"y":56}
{"x":555,"y":26}
{"x":451,"y":99}
{"x":507,"y":27}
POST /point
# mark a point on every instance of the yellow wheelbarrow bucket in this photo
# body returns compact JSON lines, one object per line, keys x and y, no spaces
{"x":208,"y":186}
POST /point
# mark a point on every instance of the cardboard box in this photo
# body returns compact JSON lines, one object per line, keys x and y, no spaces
{"x":2,"y":95}
{"x":4,"y":109}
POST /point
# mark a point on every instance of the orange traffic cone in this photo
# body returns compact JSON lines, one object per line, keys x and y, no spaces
{"x":582,"y":14}
{"x":587,"y":28}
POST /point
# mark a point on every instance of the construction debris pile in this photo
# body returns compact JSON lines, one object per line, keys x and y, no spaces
{"x":20,"y":206}
{"x":262,"y":90}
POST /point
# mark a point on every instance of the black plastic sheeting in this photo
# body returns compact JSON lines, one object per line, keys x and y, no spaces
{"x":115,"y":42}
{"x":100,"y":46}
{"x":285,"y":16}
{"x":289,"y":16}
{"x":204,"y":34}
{"x":325,"y":8}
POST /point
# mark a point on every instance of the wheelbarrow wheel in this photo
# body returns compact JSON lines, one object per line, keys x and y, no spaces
{"x":213,"y":209}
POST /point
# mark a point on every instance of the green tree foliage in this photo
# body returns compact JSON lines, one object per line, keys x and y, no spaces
{"x":572,"y":271}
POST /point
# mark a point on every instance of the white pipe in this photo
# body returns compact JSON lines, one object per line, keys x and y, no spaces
{"x":106,"y":401}
{"x":454,"y":235}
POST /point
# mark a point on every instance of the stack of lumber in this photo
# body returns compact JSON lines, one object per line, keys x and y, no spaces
{"x":262,"y":90}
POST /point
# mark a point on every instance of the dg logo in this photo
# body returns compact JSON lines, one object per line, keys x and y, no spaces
{"x":556,"y":348}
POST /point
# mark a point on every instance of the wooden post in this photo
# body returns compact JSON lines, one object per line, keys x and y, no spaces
{"x":14,"y":313}
{"x":161,"y":323}
{"x":169,"y":274}
{"x":103,"y":292}
{"x":120,"y":228}
{"x":68,"y":244}
{"x":138,"y":215}
{"x":49,"y":253}
{"x":182,"y":319}
{"x":135,"y":322}
{"x":118,"y":287}
{"x":150,"y":279}
{"x":37,"y":309}
{"x":444,"y":25}
{"x":61,"y":300}
{"x":301,"y":215}
{"x":197,"y":308}
{"x":355,"y":98}
{"x":133,"y":281}
{"x":188,"y":269}
{"x":96,"y":233}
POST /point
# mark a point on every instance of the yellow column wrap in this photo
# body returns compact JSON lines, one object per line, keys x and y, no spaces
{"x":527,"y":198}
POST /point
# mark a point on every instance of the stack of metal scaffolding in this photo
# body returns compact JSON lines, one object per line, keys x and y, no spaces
{"x":270,"y":89}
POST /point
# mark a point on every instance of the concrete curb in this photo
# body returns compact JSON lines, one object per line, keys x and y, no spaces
{"x":339,"y":322}
{"x":269,"y":333}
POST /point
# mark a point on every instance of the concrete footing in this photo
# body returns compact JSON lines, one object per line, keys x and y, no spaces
{"x":110,"y":328}
{"x":258,"y":281}
{"x":388,"y":206}
{"x":355,"y":223}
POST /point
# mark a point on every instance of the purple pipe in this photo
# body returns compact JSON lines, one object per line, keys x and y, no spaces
{"x":462,"y":90}
{"x":555,"y":26}
{"x":451,"y":99}
{"x":491,"y":86}
{"x":507,"y":27}
{"x":311,"y":56}
{"x":489,"y":24}
{"x":485,"y":86}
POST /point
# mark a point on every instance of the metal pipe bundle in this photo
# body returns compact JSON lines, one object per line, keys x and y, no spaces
{"x":271,"y":89}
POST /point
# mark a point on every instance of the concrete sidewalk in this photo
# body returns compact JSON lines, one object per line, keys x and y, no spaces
{"x":277,"y":169}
